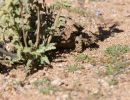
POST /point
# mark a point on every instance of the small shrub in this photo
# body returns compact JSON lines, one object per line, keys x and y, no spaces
{"x":31,"y":25}
{"x":116,"y":62}
{"x":116,"y":50}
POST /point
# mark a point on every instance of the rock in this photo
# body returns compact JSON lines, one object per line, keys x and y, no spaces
{"x":57,"y":82}
{"x":65,"y":97}
{"x":33,"y":80}
{"x":88,"y":66}
{"x":104,"y":83}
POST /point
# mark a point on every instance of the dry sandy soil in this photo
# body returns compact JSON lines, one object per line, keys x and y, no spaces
{"x":70,"y":79}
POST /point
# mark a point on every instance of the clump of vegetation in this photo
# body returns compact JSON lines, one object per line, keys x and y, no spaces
{"x":116,"y":62}
{"x":117,"y":50}
{"x":29,"y":25}
{"x":41,"y":82}
{"x":111,"y":69}
{"x":48,"y":90}
{"x":73,"y":67}
{"x":44,"y":86}
{"x":81,"y":57}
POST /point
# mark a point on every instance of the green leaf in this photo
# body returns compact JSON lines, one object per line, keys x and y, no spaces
{"x":45,"y":60}
{"x":29,"y":62}
{"x":48,"y":47}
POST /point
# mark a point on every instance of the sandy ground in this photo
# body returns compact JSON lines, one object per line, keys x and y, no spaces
{"x":89,"y":82}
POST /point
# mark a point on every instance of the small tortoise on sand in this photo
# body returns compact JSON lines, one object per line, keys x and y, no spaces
{"x":80,"y":31}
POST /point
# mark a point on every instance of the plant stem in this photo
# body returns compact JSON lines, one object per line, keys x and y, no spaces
{"x":24,"y":37}
{"x":38,"y":27}
{"x":54,"y":26}
{"x":23,"y":29}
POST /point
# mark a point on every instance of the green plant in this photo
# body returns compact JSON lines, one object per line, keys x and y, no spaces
{"x":117,"y":50}
{"x":73,"y":68}
{"x":81,"y":57}
{"x":44,"y":86}
{"x":40,"y":82}
{"x":48,"y":90}
{"x":31,"y":25}
{"x":117,"y":67}
{"x":111,"y":70}
{"x":116,"y":62}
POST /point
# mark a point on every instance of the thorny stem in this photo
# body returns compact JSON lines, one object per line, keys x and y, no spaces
{"x":54,"y":27}
{"x":23,"y":29}
{"x":38,"y":28}
{"x":24,"y":37}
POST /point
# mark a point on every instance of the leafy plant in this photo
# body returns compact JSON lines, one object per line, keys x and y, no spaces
{"x":30,"y":25}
